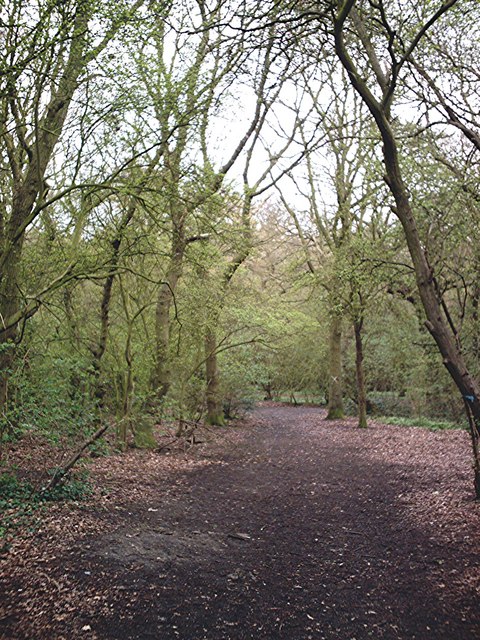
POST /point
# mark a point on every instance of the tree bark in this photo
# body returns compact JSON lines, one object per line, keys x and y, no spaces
{"x":476,"y":321}
{"x":361,"y":390}
{"x":99,"y":349}
{"x":335,"y":393}
{"x":60,"y":474}
{"x":161,"y":379}
{"x":214,"y":405}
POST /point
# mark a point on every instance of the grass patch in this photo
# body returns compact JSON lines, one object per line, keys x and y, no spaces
{"x":426,"y":423}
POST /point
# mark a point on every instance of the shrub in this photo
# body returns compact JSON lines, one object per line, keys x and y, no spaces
{"x":51,"y":396}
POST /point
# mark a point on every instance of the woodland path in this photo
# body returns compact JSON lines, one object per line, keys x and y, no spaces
{"x":299,"y":529}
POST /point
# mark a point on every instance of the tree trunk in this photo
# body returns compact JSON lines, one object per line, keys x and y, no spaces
{"x":267,"y":387}
{"x":99,"y":350}
{"x":214,"y":406}
{"x":9,"y":306}
{"x":6,"y":360}
{"x":161,"y":374}
{"x":127,"y":391}
{"x":445,"y":335}
{"x":335,"y":393}
{"x":215,"y":413}
{"x":476,"y":321}
{"x":161,"y":379}
{"x":361,"y":391}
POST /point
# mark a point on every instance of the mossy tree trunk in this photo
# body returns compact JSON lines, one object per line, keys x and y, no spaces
{"x":214,"y":404}
{"x":166,"y":297}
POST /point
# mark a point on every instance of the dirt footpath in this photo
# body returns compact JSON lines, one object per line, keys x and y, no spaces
{"x":296,"y":529}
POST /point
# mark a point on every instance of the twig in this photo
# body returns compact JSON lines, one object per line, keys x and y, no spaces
{"x":62,"y":472}
{"x":164,"y":446}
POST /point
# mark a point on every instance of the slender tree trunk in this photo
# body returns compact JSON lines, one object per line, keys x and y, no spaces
{"x":335,"y":393}
{"x":128,"y":387}
{"x":267,"y":387}
{"x":99,"y":350}
{"x":127,"y":391}
{"x":161,"y":379}
{"x":474,"y":425}
{"x":214,"y":406}
{"x":361,"y":391}
{"x":215,"y":413}
{"x":72,"y":323}
{"x":161,"y":374}
{"x":437,"y":323}
{"x":6,"y":360}
{"x":476,"y":321}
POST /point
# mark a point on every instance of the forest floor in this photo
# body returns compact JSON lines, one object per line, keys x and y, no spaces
{"x":286,"y":526}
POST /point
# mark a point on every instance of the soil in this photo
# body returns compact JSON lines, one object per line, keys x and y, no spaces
{"x":285,"y":527}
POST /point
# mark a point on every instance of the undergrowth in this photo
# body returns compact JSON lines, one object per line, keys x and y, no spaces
{"x":427,"y":423}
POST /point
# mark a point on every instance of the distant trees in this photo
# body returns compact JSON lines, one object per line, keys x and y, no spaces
{"x":332,"y":227}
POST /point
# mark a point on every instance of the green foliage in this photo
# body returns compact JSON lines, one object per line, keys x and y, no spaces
{"x":297,"y":358}
{"x":17,"y":508}
{"x":269,"y":315}
{"x":75,"y":488}
{"x":425,"y":423}
{"x":388,"y":403}
{"x":51,"y":396}
{"x":143,"y":435}
{"x":13,"y":491}
{"x":306,"y":396}
{"x":240,"y":382}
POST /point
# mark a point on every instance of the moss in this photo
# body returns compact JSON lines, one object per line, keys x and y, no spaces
{"x":216,"y":420}
{"x":144,"y":438}
{"x":362,"y":422}
{"x":335,"y":414}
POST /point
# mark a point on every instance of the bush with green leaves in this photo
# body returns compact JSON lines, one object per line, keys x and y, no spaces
{"x":242,"y":374}
{"x":50,"y":395}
